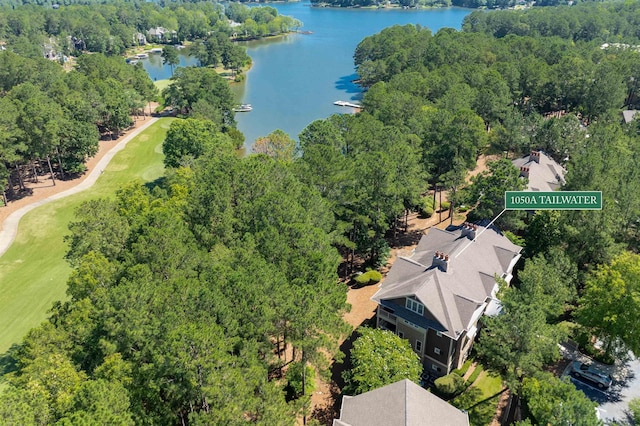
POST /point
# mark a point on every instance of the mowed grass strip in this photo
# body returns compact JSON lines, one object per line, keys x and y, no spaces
{"x":162,"y":84}
{"x":33,"y":272}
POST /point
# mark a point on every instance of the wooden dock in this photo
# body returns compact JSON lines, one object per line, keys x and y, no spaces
{"x":347,"y":104}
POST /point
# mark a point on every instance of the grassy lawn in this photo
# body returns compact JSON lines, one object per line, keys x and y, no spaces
{"x":481,"y":398}
{"x":33,"y":272}
{"x":161,"y":84}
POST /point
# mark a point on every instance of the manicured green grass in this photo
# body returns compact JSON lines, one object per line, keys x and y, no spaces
{"x":33,"y":272}
{"x":489,"y":383}
{"x":480,"y":400}
{"x":161,"y":84}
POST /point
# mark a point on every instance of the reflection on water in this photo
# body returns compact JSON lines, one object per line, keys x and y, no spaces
{"x":159,"y":71}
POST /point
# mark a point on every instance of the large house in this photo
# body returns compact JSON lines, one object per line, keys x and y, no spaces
{"x":401,"y":403}
{"x":542,"y":171}
{"x":161,"y":34}
{"x":435,"y":297}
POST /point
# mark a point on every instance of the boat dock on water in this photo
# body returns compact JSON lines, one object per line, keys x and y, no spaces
{"x":243,"y":108}
{"x":347,"y":104}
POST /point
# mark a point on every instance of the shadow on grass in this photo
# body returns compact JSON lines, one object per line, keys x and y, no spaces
{"x":8,"y":361}
{"x":156,"y":183}
{"x":487,"y":399}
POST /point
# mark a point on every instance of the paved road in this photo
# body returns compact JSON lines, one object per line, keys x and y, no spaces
{"x":613,"y":404}
{"x":10,"y":225}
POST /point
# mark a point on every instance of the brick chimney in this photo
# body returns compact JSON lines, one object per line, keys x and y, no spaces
{"x":524,"y":172}
{"x":441,"y":260}
{"x":535,"y":156}
{"x":469,"y":230}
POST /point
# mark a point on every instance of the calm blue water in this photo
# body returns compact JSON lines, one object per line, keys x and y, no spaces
{"x":159,"y":71}
{"x":295,"y":79}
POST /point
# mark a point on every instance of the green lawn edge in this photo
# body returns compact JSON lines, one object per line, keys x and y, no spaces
{"x":33,"y":272}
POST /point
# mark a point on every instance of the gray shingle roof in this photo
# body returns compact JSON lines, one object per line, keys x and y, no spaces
{"x":450,"y":297}
{"x":547,"y":175}
{"x":401,"y":403}
{"x":629,"y":115}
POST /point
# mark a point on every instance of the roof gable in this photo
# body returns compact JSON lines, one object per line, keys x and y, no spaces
{"x":401,"y":403}
{"x":544,"y":173}
{"x":453,"y":296}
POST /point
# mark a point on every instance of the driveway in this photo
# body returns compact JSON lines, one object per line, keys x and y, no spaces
{"x":613,"y":403}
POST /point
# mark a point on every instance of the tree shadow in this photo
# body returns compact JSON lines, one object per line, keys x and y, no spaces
{"x":156,"y":183}
{"x":406,"y":239}
{"x":19,"y":194}
{"x":8,"y":361}
{"x":327,"y":413}
{"x":347,"y":84}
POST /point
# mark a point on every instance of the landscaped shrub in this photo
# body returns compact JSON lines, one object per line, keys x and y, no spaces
{"x":463,"y":208}
{"x":444,"y":206}
{"x":449,"y":385}
{"x":474,"y":375}
{"x":463,"y":370}
{"x":369,"y":277}
{"x":515,"y":239}
{"x":384,"y":251}
{"x":426,"y":208}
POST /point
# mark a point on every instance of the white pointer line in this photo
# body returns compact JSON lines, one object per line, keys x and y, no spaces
{"x":480,"y":233}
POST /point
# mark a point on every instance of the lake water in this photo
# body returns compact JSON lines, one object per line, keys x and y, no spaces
{"x":295,"y":79}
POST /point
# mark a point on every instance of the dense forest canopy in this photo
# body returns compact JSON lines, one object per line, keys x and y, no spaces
{"x":61,"y":116}
{"x":475,"y":4}
{"x":110,"y":28}
{"x":611,"y":22}
{"x":190,"y":295}
{"x":50,"y":113}
{"x":186,"y":293}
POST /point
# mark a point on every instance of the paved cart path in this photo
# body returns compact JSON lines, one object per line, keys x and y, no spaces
{"x":43,"y":195}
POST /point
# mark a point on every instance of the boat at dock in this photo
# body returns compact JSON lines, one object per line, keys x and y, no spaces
{"x":347,"y":104}
{"x":142,"y":55}
{"x":156,"y":50}
{"x":243,"y":108}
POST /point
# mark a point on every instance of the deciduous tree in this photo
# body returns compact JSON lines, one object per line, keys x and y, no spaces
{"x":380,"y":358}
{"x":609,"y":305}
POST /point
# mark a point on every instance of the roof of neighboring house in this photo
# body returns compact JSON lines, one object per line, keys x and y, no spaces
{"x":401,"y":403}
{"x":629,"y":115}
{"x":454,"y":296}
{"x":545,"y":174}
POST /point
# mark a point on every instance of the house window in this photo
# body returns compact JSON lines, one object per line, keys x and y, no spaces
{"x":438,"y":334}
{"x":418,"y":346}
{"x":437,"y":351}
{"x":401,"y":334}
{"x":415,"y":306}
{"x":409,"y":323}
{"x":435,"y":367}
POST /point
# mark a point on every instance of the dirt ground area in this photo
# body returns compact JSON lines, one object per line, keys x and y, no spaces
{"x":45,"y":187}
